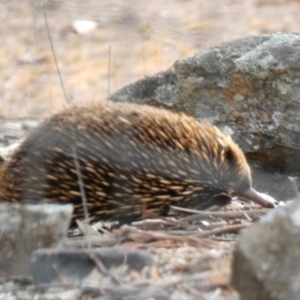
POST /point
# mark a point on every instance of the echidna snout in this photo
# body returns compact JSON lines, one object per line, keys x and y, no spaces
{"x":252,"y":195}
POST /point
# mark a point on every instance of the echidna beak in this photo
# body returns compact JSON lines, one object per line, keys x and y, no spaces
{"x":258,"y":198}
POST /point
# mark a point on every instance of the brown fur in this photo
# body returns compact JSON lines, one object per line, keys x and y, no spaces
{"x":131,"y":157}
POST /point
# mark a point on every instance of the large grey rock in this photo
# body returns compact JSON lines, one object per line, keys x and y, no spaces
{"x":266,"y":263}
{"x":250,"y":89}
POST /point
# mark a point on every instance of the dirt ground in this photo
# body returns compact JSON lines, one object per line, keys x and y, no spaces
{"x":133,"y":39}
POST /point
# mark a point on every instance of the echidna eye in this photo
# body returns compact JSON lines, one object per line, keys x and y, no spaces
{"x":229,"y":155}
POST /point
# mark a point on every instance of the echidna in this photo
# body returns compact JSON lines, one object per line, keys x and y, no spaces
{"x":132,"y":157}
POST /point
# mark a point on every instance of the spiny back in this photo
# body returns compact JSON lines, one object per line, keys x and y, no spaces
{"x":130,"y":155}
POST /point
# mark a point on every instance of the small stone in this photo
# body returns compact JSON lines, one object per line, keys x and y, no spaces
{"x":266,"y":263}
{"x":25,"y":228}
{"x":48,"y":265}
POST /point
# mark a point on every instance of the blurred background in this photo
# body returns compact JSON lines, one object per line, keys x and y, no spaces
{"x":104,"y":45}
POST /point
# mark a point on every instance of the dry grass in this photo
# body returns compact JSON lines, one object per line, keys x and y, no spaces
{"x":145,"y":37}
